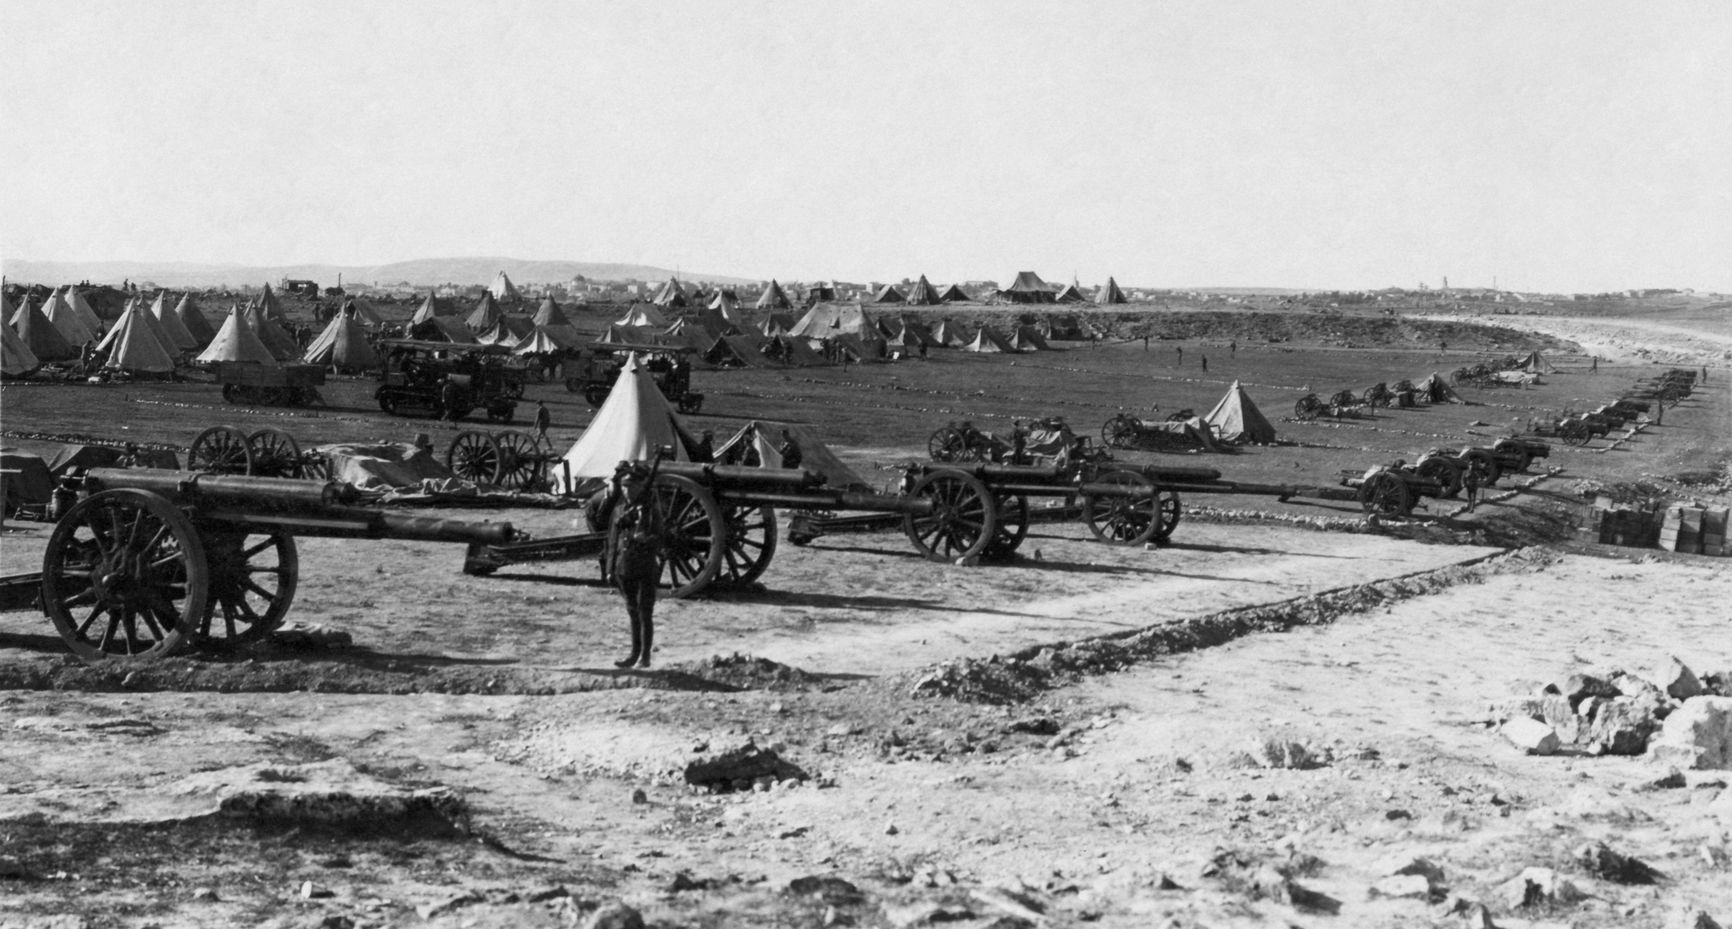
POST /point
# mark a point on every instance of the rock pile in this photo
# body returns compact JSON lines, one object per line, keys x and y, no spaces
{"x":1669,"y":712}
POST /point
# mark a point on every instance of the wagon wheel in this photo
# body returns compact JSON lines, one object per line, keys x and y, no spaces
{"x":947,"y":444}
{"x":221,"y":450}
{"x":596,"y":393}
{"x":1479,"y":468}
{"x":1306,"y":408}
{"x":231,"y":393}
{"x":1124,"y":519}
{"x":1445,"y":472}
{"x":697,"y":534}
{"x":275,"y":453}
{"x":315,"y":466}
{"x":252,"y":584}
{"x":123,"y":575}
{"x":475,"y":456}
{"x":1120,"y":432}
{"x":520,"y":462}
{"x":1575,"y":432}
{"x":751,"y":544}
{"x":1170,"y":512}
{"x":963,"y":520}
{"x":387,"y":402}
{"x":1385,"y":494}
{"x":1012,"y":527}
{"x":1522,"y":454}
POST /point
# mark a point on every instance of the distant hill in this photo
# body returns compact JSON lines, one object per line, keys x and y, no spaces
{"x":421,"y":273}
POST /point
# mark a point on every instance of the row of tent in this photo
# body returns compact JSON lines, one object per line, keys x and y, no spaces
{"x":1027,"y":288}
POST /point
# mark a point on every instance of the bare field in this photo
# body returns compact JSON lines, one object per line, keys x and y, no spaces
{"x":1119,"y":796}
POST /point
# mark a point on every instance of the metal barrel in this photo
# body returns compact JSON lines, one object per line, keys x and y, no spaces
{"x":1177,"y":475}
{"x":348,"y":522}
{"x":827,"y":500}
{"x":197,"y":486}
{"x":739,"y":475}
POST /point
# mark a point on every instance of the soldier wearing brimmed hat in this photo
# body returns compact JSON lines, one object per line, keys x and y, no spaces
{"x":635,"y":544}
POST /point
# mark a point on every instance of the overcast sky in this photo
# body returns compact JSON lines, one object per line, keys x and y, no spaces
{"x":1559,"y":146}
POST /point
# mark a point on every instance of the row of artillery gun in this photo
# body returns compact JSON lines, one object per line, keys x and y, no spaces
{"x":1344,"y":403}
{"x":1648,"y":397}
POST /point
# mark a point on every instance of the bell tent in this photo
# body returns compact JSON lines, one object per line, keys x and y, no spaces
{"x":342,"y":345}
{"x":136,"y":348}
{"x":1237,"y":420}
{"x":65,"y":319}
{"x":1435,"y":389}
{"x":503,"y":290}
{"x":1027,"y":288}
{"x":1028,"y":339}
{"x":81,"y":306}
{"x":774,"y":298}
{"x":194,"y":321}
{"x":1536,"y":363}
{"x":761,"y":442}
{"x":39,"y":335}
{"x":924,"y":294}
{"x":171,"y":324}
{"x":1070,"y":294}
{"x":889,"y":294}
{"x":549,"y":313}
{"x":643,"y":315}
{"x":671,"y":294}
{"x":429,"y":309}
{"x":236,"y":341}
{"x":954,"y":294}
{"x":486,"y":314}
{"x":1110,"y":293}
{"x":987,"y":341}
{"x":16,"y":359}
{"x":632,"y":423}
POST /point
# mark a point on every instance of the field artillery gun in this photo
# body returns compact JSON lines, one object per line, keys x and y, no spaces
{"x":1173,"y":434}
{"x":151,"y":561}
{"x":1390,"y":490}
{"x":271,"y":385}
{"x":721,"y":530}
{"x":1571,"y":429}
{"x":1341,"y":403}
{"x":1378,"y":395}
{"x":512,"y":460}
{"x":261,"y":453}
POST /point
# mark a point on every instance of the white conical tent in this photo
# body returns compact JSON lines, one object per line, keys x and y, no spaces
{"x":135,"y":348}
{"x":429,"y":309}
{"x":503,"y":290}
{"x":66,"y":319}
{"x":342,"y":344}
{"x":81,"y":306}
{"x":1237,"y":419}
{"x":1110,"y":293}
{"x":549,"y":313}
{"x":282,"y":346}
{"x":924,"y":294}
{"x":671,"y":294}
{"x":1072,"y":293}
{"x":193,"y":320}
{"x":269,"y":305}
{"x":16,"y":358}
{"x":171,"y":324}
{"x":236,"y":341}
{"x":642,"y":315}
{"x":135,"y":316}
{"x":40,"y":336}
{"x":774,"y":298}
{"x":632,"y":423}
{"x":486,"y":315}
{"x":543,"y":340}
{"x":988,"y":341}
{"x":365,"y":314}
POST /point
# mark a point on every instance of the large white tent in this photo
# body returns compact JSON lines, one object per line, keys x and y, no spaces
{"x":171,"y":324}
{"x":236,"y":341}
{"x":632,"y":423}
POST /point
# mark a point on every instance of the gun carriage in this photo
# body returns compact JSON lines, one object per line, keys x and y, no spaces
{"x":150,"y":561}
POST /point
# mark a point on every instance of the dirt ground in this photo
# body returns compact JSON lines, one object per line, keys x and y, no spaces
{"x":1313,"y":713}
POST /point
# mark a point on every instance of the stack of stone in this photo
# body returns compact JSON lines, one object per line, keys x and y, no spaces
{"x":1678,"y":717}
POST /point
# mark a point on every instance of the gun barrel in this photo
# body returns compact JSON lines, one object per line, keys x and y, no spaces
{"x":741,"y":476}
{"x":187,"y":487}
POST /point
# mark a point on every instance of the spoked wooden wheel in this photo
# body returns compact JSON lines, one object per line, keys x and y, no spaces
{"x":275,"y":453}
{"x":124,"y":577}
{"x":1171,"y":510}
{"x":1129,"y":517}
{"x":1012,"y":527}
{"x":947,"y":445}
{"x":252,"y":584}
{"x":751,"y":544}
{"x":1119,"y":432}
{"x":963,"y":520}
{"x":1445,"y":472}
{"x":1479,"y":468}
{"x":1519,"y":451}
{"x":1574,"y":432}
{"x":520,"y":462}
{"x":220,"y":450}
{"x":474,"y":456}
{"x":696,"y":534}
{"x":1385,"y":494}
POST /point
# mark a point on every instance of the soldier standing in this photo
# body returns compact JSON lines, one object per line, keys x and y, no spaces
{"x":543,"y":419}
{"x":790,"y":451}
{"x":634,"y":557}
